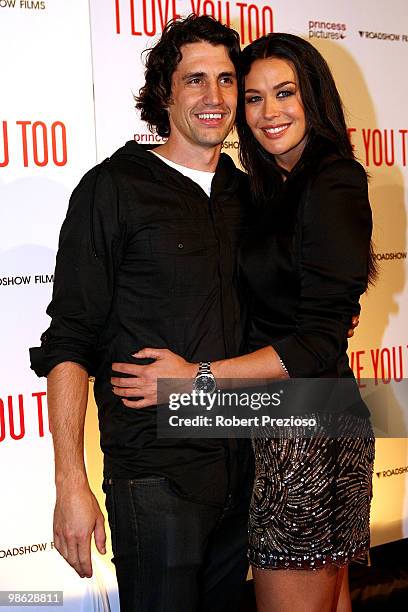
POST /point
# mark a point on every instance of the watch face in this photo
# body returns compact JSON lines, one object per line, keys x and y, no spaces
{"x":205,"y":383}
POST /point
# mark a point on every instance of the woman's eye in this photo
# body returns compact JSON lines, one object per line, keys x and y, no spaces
{"x":285,"y":93}
{"x":252,"y":99}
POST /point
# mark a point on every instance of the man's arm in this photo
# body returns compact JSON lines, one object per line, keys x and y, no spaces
{"x":84,"y":280}
{"x":77,"y":513}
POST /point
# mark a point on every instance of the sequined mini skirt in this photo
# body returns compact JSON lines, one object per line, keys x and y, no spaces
{"x":311,"y":501}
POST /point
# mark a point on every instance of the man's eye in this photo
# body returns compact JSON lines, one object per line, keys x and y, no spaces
{"x":194,"y":81}
{"x":252,"y":99}
{"x":227,"y":80}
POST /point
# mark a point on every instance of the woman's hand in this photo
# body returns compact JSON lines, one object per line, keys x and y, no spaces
{"x":355,"y":320}
{"x":143,"y":380}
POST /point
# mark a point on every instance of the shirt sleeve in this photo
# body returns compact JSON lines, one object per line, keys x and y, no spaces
{"x":335,"y":233}
{"x":87,"y":257}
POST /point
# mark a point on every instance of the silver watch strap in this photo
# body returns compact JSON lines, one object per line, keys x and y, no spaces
{"x":284,"y":368}
{"x":204,"y":367}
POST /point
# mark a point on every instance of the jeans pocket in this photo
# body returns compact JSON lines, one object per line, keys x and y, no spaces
{"x":148,"y":481}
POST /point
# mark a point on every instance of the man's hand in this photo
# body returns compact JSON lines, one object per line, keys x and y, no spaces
{"x":76,"y":516}
{"x":355,"y":320}
{"x":143,"y":380}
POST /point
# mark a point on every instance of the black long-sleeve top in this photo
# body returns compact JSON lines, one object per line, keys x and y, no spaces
{"x":145,"y":258}
{"x":305,"y":266}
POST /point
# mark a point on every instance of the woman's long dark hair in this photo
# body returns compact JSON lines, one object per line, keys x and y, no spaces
{"x":327,"y":130}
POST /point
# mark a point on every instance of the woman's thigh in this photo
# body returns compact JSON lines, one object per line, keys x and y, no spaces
{"x":298,"y":590}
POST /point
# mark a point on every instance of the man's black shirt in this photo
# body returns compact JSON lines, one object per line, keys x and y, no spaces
{"x":146,"y":259}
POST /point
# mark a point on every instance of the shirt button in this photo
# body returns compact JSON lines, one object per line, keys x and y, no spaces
{"x":180,"y":245}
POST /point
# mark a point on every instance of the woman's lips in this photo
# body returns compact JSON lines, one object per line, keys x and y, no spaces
{"x":276,"y":131}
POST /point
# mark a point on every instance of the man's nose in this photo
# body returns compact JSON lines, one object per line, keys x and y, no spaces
{"x":213,"y":94}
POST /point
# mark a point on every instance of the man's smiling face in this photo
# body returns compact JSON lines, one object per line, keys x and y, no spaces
{"x":203,"y":96}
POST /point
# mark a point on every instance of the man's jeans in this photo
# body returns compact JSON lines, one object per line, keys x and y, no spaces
{"x":174,"y":555}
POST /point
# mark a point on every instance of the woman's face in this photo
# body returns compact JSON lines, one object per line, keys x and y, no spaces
{"x":274,"y":110}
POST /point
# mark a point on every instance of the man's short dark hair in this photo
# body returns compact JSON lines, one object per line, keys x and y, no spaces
{"x":162,"y":60}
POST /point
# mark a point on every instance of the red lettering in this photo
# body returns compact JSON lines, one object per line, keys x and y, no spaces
{"x":241,"y":6}
{"x":211,"y":12}
{"x":164,"y":18}
{"x":209,"y":8}
{"x":267,"y":24}
{"x":24,"y":136}
{"x":5,"y":147}
{"x":253,"y":9}
{"x":227,"y":19}
{"x":196,"y":7}
{"x":152,"y":31}
{"x":39,"y":395}
{"x":62,"y":160}
{"x":117,"y":15}
{"x":391,"y":363}
{"x":394,"y":363}
{"x":174,"y":7}
{"x":389,"y":159}
{"x":385,"y":366}
{"x":375,"y":359}
{"x":2,"y":422}
{"x":377,"y":148}
{"x":37,"y":161}
{"x":366,"y":140}
{"x":132,"y":19}
{"x":357,"y":366}
{"x":404,"y":146}
{"x":351,"y":131}
{"x":40,"y":140}
{"x":11,"y":417}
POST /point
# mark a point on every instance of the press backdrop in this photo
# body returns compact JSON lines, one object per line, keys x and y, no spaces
{"x":69,"y":72}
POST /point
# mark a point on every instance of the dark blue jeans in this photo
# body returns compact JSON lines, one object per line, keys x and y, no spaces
{"x":174,"y":555}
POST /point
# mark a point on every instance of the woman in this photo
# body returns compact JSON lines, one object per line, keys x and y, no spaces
{"x":305,"y":264}
{"x":296,"y":150}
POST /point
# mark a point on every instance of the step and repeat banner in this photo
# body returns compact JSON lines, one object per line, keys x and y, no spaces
{"x":70,"y":70}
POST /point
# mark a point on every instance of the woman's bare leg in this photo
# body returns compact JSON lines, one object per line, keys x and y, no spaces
{"x":301,"y":590}
{"x":344,"y":599}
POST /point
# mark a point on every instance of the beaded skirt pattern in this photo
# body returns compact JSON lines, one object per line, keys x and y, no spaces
{"x":311,"y":501}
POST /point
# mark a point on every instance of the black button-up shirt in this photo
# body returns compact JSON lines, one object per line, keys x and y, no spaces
{"x":147,"y":259}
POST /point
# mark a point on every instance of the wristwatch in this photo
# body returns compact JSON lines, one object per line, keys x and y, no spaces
{"x":205,"y":380}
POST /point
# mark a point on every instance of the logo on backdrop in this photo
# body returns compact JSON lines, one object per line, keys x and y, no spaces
{"x":387,"y":364}
{"x":149,"y":18}
{"x":230,"y":144}
{"x":144,"y":138}
{"x":381,"y":147}
{"x":393,"y":472}
{"x":23,"y":4}
{"x":21,"y":280}
{"x":383,"y":36}
{"x":27,"y":549}
{"x":40,"y":144}
{"x":390,"y":256}
{"x":23,"y":415}
{"x":327,"y":29}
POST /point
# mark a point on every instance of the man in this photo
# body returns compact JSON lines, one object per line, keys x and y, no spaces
{"x":146,"y":258}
